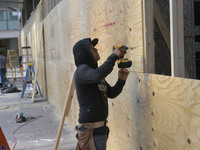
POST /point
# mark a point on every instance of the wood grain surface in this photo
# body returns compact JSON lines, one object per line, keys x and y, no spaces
{"x":153,"y":112}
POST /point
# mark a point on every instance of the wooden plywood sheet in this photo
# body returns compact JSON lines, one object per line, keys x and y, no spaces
{"x":157,"y":112}
{"x":31,"y":35}
{"x":174,"y":111}
{"x":113,"y":22}
{"x":152,"y":112}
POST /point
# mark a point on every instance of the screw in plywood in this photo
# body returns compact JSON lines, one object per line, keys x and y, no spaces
{"x":189,"y":141}
{"x":153,"y":93}
{"x":112,"y":104}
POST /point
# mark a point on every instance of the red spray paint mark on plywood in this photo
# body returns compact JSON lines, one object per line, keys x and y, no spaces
{"x":106,"y":25}
{"x":109,"y":24}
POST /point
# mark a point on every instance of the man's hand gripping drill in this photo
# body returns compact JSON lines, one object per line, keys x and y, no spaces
{"x":120,"y":51}
{"x":123,"y":63}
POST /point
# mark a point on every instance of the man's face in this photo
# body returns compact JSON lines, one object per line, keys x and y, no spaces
{"x":95,"y":54}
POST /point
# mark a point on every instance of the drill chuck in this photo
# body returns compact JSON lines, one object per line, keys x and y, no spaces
{"x":125,"y":62}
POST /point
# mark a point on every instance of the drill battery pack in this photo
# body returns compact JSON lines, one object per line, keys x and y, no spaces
{"x":124,"y":63}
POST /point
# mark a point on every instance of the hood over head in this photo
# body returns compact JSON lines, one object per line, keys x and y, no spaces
{"x":82,"y":52}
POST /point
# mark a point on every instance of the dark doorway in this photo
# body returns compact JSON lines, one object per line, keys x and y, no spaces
{"x":197,"y":36}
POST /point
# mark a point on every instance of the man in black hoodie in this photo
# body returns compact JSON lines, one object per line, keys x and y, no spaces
{"x":93,"y":90}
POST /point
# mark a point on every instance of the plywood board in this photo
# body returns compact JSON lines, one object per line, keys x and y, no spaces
{"x":174,"y":112}
{"x":114,"y":25}
{"x":31,"y":36}
{"x":152,"y":112}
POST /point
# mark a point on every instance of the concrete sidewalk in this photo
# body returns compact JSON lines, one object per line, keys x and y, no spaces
{"x":38,"y":133}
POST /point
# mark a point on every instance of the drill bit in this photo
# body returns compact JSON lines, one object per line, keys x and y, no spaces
{"x":130,"y":48}
{"x":125,"y":47}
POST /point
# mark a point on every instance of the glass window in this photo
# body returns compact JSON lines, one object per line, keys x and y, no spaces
{"x":3,"y":15}
{"x":9,"y":20}
{"x":197,"y":46}
{"x":197,"y":30}
{"x":13,"y":25}
{"x":3,"y":25}
{"x":12,"y":16}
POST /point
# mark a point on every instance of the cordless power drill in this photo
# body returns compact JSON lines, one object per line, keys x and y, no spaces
{"x":124,"y":62}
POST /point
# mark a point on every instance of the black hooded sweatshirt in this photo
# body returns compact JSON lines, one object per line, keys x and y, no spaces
{"x":91,"y":88}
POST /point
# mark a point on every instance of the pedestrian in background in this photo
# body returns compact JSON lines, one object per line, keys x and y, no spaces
{"x":3,"y":61}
